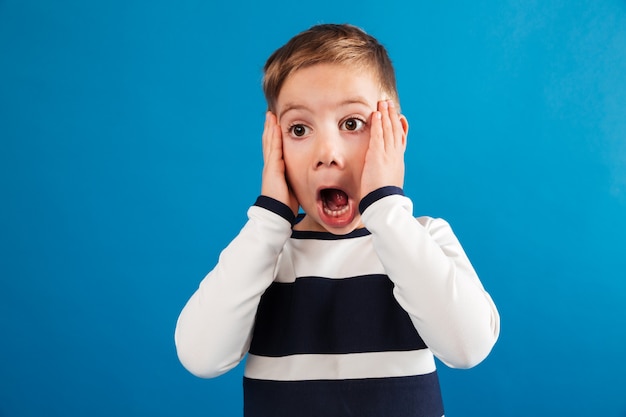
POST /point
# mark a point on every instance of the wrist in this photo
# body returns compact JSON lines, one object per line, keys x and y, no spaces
{"x":377,"y":194}
{"x":277,"y":207}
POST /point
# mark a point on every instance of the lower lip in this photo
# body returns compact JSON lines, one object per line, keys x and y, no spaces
{"x":339,"y":221}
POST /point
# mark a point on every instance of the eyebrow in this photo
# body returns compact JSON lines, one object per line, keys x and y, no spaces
{"x":291,"y":106}
{"x":346,"y":102}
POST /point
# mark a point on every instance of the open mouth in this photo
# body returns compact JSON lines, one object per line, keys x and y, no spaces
{"x":335,"y":202}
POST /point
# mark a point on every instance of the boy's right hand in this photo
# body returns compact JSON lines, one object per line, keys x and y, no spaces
{"x":274,"y":181}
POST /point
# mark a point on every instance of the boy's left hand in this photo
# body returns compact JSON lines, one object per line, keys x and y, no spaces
{"x":384,"y":160}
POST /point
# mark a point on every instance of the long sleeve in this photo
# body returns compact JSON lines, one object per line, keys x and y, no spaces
{"x":433,"y":279}
{"x":214,"y":328}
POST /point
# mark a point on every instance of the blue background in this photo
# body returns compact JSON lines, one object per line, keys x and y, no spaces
{"x":130,"y":151}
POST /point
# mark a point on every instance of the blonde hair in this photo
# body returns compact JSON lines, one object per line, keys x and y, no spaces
{"x":328,"y":43}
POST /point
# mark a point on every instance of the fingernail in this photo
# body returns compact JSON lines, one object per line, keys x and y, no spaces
{"x":383,"y":104}
{"x":391,"y":103}
{"x":379,"y":115}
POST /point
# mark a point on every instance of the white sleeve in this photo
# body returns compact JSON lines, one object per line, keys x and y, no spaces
{"x":434,"y":281}
{"x":214,"y":328}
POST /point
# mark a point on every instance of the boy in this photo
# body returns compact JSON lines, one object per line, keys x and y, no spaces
{"x":340,"y":309}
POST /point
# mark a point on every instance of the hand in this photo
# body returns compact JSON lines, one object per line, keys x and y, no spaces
{"x":384,"y":160}
{"x":274,"y":182}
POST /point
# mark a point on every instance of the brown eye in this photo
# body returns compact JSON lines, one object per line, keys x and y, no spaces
{"x":352,"y":124}
{"x":298,"y":130}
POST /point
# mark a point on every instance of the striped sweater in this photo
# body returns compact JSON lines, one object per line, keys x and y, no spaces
{"x":339,"y":325}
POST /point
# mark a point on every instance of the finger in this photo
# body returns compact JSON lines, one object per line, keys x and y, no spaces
{"x":398,"y":130}
{"x":266,"y":142}
{"x":264,"y":137}
{"x":277,"y":137}
{"x":376,"y":132}
{"x":273,"y":139}
{"x":388,"y":138}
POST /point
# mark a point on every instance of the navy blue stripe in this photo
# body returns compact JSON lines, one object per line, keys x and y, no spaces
{"x":306,"y":234}
{"x":277,"y":207}
{"x":320,"y":315}
{"x":377,"y":194}
{"x":415,"y":396}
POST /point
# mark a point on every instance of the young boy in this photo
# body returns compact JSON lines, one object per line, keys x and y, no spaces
{"x":340,"y":309}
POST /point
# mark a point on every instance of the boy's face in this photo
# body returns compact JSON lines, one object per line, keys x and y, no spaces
{"x":324,"y":112}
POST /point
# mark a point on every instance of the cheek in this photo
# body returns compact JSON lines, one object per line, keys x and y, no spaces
{"x":294,"y":165}
{"x":290,"y":156}
{"x":359,"y":153}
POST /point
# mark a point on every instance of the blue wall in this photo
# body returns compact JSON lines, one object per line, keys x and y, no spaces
{"x":130,"y":152}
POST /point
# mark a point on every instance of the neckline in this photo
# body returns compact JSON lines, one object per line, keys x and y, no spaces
{"x":309,"y":234}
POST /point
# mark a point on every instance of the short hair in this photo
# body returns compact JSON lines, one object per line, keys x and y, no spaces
{"x":328,"y":43}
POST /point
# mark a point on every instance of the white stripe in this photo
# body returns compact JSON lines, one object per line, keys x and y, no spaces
{"x":344,"y":366}
{"x":300,"y":258}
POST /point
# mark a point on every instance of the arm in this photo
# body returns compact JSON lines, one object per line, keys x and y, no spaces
{"x":434,"y":280}
{"x":214,"y":328}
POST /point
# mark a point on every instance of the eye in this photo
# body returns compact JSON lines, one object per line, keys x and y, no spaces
{"x":299,"y":130}
{"x":352,"y":124}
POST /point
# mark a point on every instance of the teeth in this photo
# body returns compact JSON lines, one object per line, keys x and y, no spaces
{"x":336,"y":213}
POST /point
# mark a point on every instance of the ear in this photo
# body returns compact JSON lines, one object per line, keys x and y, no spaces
{"x":405,"y":127}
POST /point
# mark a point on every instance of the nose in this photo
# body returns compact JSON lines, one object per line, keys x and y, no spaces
{"x":329,"y":150}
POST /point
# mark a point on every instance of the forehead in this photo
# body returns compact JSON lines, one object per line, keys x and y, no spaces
{"x":324,"y":85}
